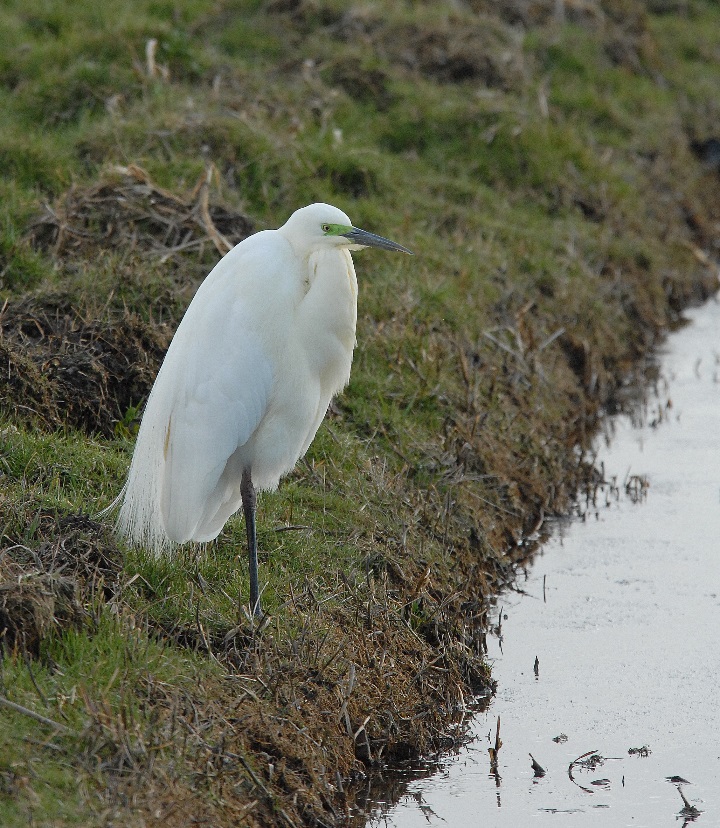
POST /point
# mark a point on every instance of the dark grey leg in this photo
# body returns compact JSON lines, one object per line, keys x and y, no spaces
{"x":249,"y":502}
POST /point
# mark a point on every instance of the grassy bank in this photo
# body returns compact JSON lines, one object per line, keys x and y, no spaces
{"x":555,"y":180}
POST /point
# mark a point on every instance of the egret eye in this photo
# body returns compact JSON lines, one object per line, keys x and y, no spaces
{"x":326,"y":228}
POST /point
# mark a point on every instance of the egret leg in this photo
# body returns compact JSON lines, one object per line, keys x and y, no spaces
{"x":249,"y":502}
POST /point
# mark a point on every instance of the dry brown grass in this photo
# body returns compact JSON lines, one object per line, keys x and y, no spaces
{"x":128,"y":211}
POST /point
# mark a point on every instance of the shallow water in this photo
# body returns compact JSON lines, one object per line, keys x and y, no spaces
{"x":622,"y":612}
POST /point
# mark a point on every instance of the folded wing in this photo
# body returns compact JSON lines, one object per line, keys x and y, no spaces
{"x":209,"y":397}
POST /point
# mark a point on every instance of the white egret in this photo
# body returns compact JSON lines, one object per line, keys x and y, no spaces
{"x":264,"y":345}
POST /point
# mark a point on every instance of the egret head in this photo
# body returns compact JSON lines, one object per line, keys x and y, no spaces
{"x":319,"y":226}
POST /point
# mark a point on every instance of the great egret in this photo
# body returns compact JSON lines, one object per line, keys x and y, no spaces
{"x":264,"y":345}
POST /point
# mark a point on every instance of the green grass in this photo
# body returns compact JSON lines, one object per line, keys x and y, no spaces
{"x":550,"y":200}
{"x":89,"y":673}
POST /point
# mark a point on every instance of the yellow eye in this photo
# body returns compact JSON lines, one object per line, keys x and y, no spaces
{"x":326,"y":228}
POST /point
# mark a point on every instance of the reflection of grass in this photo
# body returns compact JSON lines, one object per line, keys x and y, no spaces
{"x":553,"y":205}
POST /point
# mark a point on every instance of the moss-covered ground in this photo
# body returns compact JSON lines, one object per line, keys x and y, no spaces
{"x":554,"y":168}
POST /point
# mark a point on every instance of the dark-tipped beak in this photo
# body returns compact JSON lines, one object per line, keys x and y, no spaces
{"x":365,"y":239}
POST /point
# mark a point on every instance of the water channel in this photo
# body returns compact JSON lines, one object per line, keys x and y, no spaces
{"x":609,"y":653}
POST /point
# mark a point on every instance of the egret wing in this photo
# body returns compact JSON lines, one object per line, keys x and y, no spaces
{"x":222,"y":385}
{"x":209,"y":397}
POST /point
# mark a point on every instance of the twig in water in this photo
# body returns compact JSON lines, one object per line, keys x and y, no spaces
{"x":584,"y":764}
{"x":688,"y":809}
{"x":495,"y":751}
{"x":538,"y":769}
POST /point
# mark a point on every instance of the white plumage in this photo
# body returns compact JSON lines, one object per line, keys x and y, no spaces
{"x":265,"y":344}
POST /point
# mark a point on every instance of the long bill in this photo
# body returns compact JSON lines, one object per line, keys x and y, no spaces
{"x":365,"y":239}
